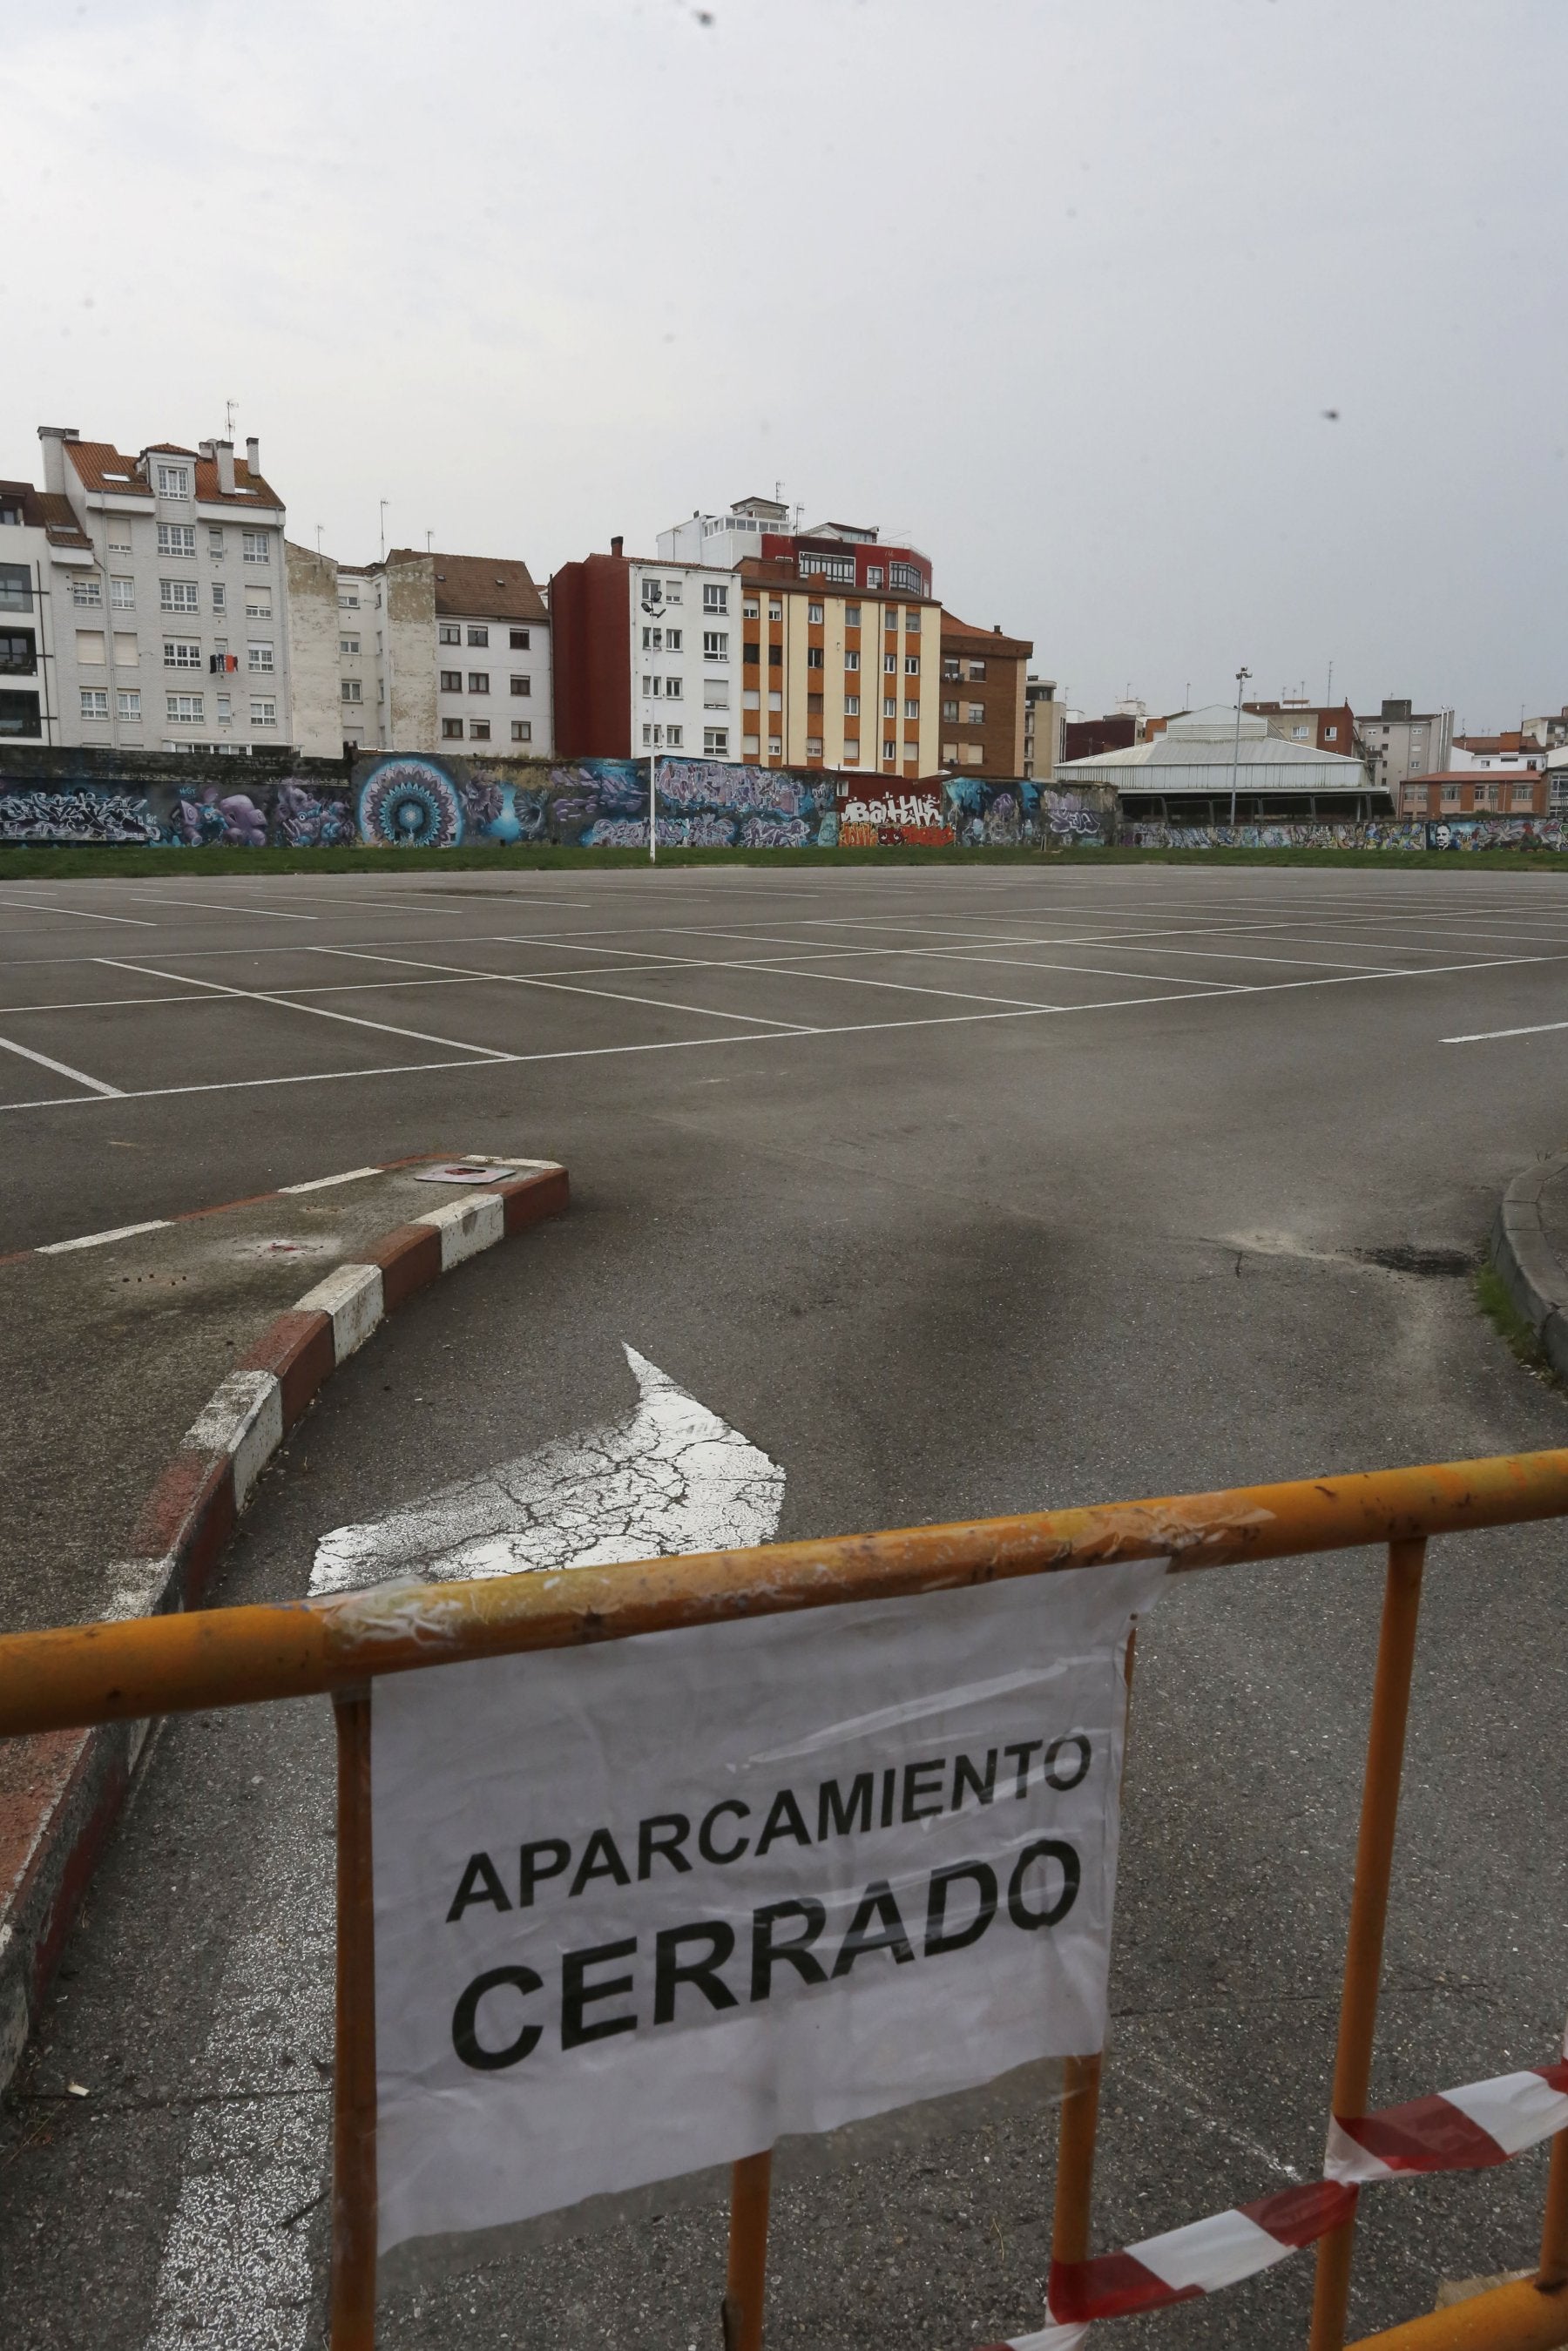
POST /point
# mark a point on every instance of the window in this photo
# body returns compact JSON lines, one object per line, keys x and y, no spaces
{"x":255,"y":545}
{"x":974,"y":672}
{"x":890,"y":751}
{"x":347,"y":644}
{"x":94,"y":701}
{"x":674,"y":689}
{"x":851,"y":706}
{"x":673,"y":641}
{"x":814,"y":615}
{"x":257,"y":602}
{"x":890,"y":705}
{"x":716,"y":597}
{"x":890,"y":664}
{"x":748,"y":611}
{"x":950,"y":668}
{"x":715,"y":644}
{"x":263,"y":712}
{"x":450,"y":634}
{"x":911,"y":709}
{"x":478,"y":679}
{"x":851,"y":755}
{"x":221,"y":597}
{"x":18,"y":653}
{"x":752,"y":653}
{"x":775,"y":611}
{"x":522,"y":686}
{"x":814,"y":657}
{"x":85,"y":591}
{"x":675,"y":737}
{"x":852,"y":616}
{"x":215,"y":543}
{"x":479,"y":730}
{"x":813,"y":746}
{"x":974,"y":713}
{"x":716,"y":742}
{"x":873,"y":575}
{"x":451,"y":681}
{"x":749,"y":744}
{"x":128,"y":705}
{"x":776,"y":747}
{"x":950,"y":713}
{"x":350,"y":689}
{"x":774,"y":656}
{"x":911,"y":624}
{"x":181,"y":653}
{"x":127,"y":652}
{"x":890,"y":619}
{"x":907,"y":576}
{"x":177,"y":595}
{"x":259,"y":655}
{"x":652,"y":687}
{"x":186,"y":708}
{"x":751,"y":699}
{"x":715,"y":694}
{"x":912,"y":664}
{"x":652,"y":592}
{"x":813,"y":705}
{"x":225,"y":705}
{"x":950,"y":755}
{"x":118,"y":545}
{"x":652,"y":641}
{"x":478,"y":635}
{"x":971,"y":755}
{"x":173,"y":481}
{"x":775,"y":701}
{"x":1298,"y":734}
{"x":451,"y":728}
{"x":672,"y":592}
{"x":652,"y":736}
{"x":829,"y":567}
{"x":90,"y":646}
{"x":1331,"y":734}
{"x":176,"y":538}
{"x":522,"y":730}
{"x":520,"y":640}
{"x":852,"y":660}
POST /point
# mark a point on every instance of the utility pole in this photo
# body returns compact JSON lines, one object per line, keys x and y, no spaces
{"x":385,"y":503}
{"x":652,"y":807}
{"x":1241,"y":677}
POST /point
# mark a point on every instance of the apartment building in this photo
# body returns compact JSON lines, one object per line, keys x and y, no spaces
{"x":1470,"y":792}
{"x":41,"y":545}
{"x":984,"y":679}
{"x":1401,"y":742}
{"x":1044,"y":720}
{"x":1327,"y":726}
{"x":833,"y":676}
{"x":418,"y":651}
{"x":833,"y":555}
{"x":157,"y":598}
{"x":647,"y":657}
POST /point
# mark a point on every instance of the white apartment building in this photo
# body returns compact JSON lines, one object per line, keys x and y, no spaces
{"x":686,"y":659}
{"x":418,"y":653}
{"x":1401,"y":742}
{"x":159,"y":593}
{"x":41,"y":543}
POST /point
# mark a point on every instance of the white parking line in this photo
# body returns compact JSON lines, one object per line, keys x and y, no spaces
{"x":1485,"y":1036}
{"x":48,"y":906}
{"x":562,"y":986}
{"x":61,"y":1069}
{"x":354,"y":1019}
{"x":210,"y":906}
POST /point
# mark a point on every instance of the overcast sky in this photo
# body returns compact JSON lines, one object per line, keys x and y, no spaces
{"x":1059,"y":289}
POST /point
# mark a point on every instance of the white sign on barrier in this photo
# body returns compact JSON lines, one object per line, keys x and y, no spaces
{"x":650,"y":1906}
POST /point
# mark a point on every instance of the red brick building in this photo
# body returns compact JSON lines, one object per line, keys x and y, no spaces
{"x":984,"y":675}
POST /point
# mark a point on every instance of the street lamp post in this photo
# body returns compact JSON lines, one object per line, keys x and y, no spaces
{"x":1241,"y":677}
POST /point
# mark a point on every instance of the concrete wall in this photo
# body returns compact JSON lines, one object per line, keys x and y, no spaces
{"x":313,"y":658}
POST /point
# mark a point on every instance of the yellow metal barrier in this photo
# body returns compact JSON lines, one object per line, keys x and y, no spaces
{"x":82,"y":1675}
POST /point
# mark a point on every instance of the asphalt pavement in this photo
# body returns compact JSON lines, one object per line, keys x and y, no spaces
{"x":952,"y":1192}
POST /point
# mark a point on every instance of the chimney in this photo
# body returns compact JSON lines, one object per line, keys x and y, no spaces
{"x":253,"y":454}
{"x":616,"y":544}
{"x":223,"y":451}
{"x":996,"y":628}
{"x":53,"y":436}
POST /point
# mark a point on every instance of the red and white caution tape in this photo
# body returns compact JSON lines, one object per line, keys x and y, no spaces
{"x":1466,"y":2129}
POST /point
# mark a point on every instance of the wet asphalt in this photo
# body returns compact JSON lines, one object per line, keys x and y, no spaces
{"x":980,"y":1265}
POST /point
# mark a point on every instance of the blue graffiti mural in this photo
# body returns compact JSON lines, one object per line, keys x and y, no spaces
{"x":1017,"y":811}
{"x":84,"y":816}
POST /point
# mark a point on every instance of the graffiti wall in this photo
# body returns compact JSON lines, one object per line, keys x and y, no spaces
{"x":425,"y":802}
{"x":1499,"y":832}
{"x":1370,"y":834}
{"x":289,"y":812}
{"x":1018,"y":812}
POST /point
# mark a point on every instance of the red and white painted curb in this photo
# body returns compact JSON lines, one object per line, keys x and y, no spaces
{"x":59,"y":1792}
{"x":1466,"y":2129}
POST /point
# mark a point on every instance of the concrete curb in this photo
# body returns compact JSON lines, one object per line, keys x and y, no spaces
{"x":60,"y":1791}
{"x":1532,"y":1274}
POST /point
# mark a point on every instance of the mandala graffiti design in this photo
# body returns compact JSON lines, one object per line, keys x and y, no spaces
{"x":411,"y":804}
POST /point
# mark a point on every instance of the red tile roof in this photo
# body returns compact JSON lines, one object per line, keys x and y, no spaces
{"x":495,"y":588}
{"x":96,"y":462}
{"x":46,"y":510}
{"x":959,"y":634}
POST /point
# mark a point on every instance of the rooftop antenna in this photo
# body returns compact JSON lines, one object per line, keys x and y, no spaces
{"x":319,"y":527}
{"x":428,"y":536}
{"x":385,"y":503}
{"x":230,"y":409}
{"x":1329,"y":695}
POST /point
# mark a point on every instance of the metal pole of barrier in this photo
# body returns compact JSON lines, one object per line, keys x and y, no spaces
{"x":353,"y":2288}
{"x":1553,"y":2275}
{"x":1369,"y":1903}
{"x":1079,"y":2119}
{"x":745,"y":2285}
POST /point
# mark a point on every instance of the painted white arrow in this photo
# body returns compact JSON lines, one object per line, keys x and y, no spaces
{"x":671,"y":1477}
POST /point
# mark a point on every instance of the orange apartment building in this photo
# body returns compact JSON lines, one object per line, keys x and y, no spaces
{"x":834,"y":677}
